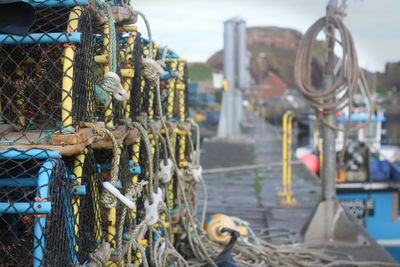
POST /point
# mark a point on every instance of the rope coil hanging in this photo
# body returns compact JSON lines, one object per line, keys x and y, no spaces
{"x":345,"y":85}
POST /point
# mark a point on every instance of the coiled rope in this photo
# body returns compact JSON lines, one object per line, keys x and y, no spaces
{"x":341,"y":94}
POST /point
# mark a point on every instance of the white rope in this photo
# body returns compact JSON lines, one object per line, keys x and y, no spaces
{"x":112,"y":84}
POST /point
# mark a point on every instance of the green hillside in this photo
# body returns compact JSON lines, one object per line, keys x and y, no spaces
{"x":199,"y":72}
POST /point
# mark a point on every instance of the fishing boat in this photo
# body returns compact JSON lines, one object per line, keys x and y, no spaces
{"x":369,"y":181}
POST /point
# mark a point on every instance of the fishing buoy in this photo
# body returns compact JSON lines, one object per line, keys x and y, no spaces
{"x":311,"y":161}
{"x":213,"y":227}
{"x":242,"y":229}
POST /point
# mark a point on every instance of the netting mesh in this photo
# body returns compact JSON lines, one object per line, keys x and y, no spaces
{"x":144,"y":165}
{"x":52,"y":208}
{"x":170,"y":85}
{"x":104,"y":163}
{"x":146,"y":87}
{"x":118,"y":113}
{"x":164,"y":96}
{"x":46,"y":77}
{"x":108,"y":109}
{"x":137,"y":78}
{"x":86,"y":205}
{"x":35,"y":209}
{"x":128,"y":177}
{"x":186,"y":83}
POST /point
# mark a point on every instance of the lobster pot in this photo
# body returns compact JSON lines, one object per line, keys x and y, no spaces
{"x":36,"y":213}
{"x":46,"y":76}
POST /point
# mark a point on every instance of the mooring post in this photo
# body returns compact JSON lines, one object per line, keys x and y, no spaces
{"x":328,"y":146}
{"x":329,"y":222}
{"x":329,"y":152}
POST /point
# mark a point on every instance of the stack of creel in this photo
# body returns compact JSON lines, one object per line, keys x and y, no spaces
{"x":76,"y":111}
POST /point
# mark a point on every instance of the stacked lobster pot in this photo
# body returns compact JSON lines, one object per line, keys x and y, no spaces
{"x":93,"y":139}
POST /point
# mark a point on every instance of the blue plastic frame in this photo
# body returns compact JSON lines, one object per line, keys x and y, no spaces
{"x":56,"y":3}
{"x":43,"y":38}
{"x":40,"y":207}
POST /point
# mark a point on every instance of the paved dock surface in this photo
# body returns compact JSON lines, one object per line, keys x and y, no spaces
{"x":251,"y":195}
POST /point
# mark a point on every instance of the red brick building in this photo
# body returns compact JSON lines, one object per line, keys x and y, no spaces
{"x":276,"y":84}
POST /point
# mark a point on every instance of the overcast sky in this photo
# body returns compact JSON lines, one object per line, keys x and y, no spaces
{"x":194,"y":28}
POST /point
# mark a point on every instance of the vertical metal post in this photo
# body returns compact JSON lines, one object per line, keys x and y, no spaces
{"x":242,"y":81}
{"x":328,"y":149}
{"x":225,"y":128}
{"x":329,"y":153}
{"x":237,"y":112}
{"x":242,"y":55}
{"x":229,"y":53}
{"x":329,"y":222}
{"x":235,"y":73}
{"x":284,"y":154}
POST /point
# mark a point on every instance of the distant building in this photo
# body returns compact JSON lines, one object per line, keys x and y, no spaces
{"x":276,"y":84}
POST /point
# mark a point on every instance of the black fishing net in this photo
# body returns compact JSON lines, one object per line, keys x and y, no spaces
{"x":178,"y":162}
{"x":170,"y":88}
{"x":127,"y":178}
{"x":143,"y":176}
{"x":46,"y":77}
{"x":158,"y":56}
{"x":104,"y":164}
{"x":36,"y":213}
{"x":146,"y":87}
{"x":103,"y":160}
{"x":145,"y":106}
{"x":144,"y":166}
{"x":136,"y":84}
{"x":164,"y":95}
{"x":108,"y":109}
{"x":186,"y":83}
{"x":87,"y":211}
{"x":155,"y":105}
{"x":126,"y":46}
{"x":119,"y":111}
{"x":159,"y":53}
{"x":181,"y":92}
